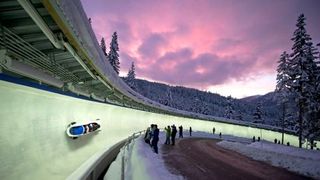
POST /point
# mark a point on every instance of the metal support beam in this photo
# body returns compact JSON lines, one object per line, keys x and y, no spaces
{"x":73,"y":89}
{"x":103,"y":82}
{"x":76,"y":56}
{"x":93,"y":96}
{"x":27,"y":6}
{"x":118,"y":95}
{"x":27,"y":70}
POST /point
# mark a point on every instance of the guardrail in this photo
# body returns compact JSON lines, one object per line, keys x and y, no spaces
{"x":126,"y":146}
{"x":96,"y":166}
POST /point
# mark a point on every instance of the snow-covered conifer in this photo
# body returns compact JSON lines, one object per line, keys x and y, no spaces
{"x":312,"y":131}
{"x":302,"y":78}
{"x":167,"y":98}
{"x":283,"y":76}
{"x":282,"y":90}
{"x":229,"y":112}
{"x":131,"y":76}
{"x":103,"y":47}
{"x":240,"y":116}
{"x":113,"y":55}
{"x":257,"y":115}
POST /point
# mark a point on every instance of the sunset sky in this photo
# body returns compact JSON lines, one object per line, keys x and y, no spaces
{"x":229,"y":47}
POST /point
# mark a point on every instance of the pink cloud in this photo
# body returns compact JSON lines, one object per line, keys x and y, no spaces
{"x":201,"y":43}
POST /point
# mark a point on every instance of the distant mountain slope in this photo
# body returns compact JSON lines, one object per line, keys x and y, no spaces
{"x":250,"y":98}
{"x":208,"y":103}
{"x":269,"y":102}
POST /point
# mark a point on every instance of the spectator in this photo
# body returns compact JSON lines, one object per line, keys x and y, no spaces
{"x":275,"y":140}
{"x":213,"y":130}
{"x":190,"y":131}
{"x":151,"y":133}
{"x":220,"y":135}
{"x":173,"y":134}
{"x":155,"y":138}
{"x":180,"y":132}
{"x":258,"y":138}
{"x":147,"y":136}
{"x":168,"y":133}
{"x":254,"y":139}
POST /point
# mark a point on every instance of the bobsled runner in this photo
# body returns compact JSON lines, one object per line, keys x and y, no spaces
{"x":75,"y":130}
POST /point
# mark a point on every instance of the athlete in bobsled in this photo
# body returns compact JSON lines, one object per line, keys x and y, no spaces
{"x":75,"y":130}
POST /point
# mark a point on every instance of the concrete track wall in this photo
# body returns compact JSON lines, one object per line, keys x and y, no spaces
{"x":34,"y":145}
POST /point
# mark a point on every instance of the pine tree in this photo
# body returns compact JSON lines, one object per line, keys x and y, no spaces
{"x":301,"y":77}
{"x":282,"y":88}
{"x":196,"y":105}
{"x":283,"y":76}
{"x":317,"y":98}
{"x":240,"y":116}
{"x":167,"y":98}
{"x":103,"y":47}
{"x":312,"y":131}
{"x":229,"y":108}
{"x":205,"y":109}
{"x":131,"y":76}
{"x":113,"y":55}
{"x":257,"y":115}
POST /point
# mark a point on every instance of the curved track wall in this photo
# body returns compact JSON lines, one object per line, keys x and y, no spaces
{"x":34,"y":145}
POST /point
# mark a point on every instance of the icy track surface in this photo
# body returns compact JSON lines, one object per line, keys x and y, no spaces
{"x":143,"y":164}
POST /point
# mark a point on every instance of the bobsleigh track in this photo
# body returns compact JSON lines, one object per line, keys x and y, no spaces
{"x":34,"y":144}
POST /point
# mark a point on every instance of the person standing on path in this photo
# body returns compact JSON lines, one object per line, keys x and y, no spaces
{"x":147,"y":136}
{"x":168,"y":133}
{"x":151,"y":133}
{"x":180,"y":132}
{"x":190,"y":131}
{"x":155,"y":139}
{"x":173,"y":134}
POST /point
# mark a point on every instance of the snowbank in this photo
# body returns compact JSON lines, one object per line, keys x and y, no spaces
{"x":141,"y":163}
{"x":302,"y":161}
{"x":289,"y":150}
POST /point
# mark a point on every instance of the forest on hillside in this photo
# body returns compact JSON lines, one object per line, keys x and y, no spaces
{"x":208,"y":103}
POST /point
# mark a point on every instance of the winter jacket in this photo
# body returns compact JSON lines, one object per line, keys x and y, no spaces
{"x":147,"y":135}
{"x":168,"y":131}
{"x":155,"y":135}
{"x":173,"y":131}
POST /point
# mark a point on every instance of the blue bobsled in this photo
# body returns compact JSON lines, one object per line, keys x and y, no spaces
{"x":75,"y":130}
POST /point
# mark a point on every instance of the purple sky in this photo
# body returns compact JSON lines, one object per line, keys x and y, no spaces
{"x":226,"y":46}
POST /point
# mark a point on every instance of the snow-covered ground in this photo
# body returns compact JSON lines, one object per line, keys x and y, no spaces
{"x":143,"y":164}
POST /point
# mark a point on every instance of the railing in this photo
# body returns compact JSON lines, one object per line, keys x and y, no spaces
{"x":96,"y":166}
{"x":126,"y":146}
{"x":30,"y":55}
